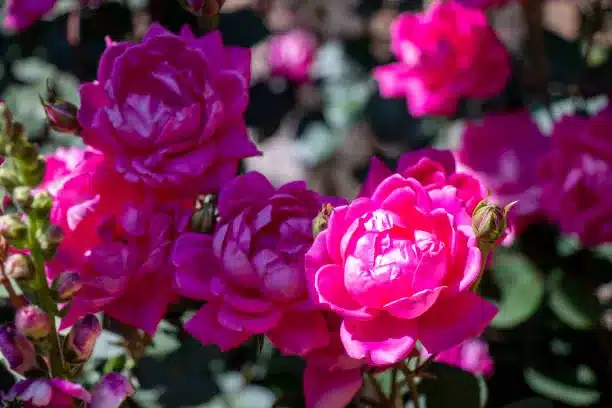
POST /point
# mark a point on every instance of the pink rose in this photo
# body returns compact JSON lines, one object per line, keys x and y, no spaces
{"x":575,"y":177}
{"x":434,"y":169}
{"x":445,"y":53}
{"x":398,"y":267}
{"x":471,"y":356}
{"x":22,"y":14}
{"x":503,"y":150}
{"x":331,"y":378}
{"x":291,"y":54}
{"x":167,"y":111}
{"x":51,"y":393}
{"x":251,"y":272}
{"x":129,"y":274}
{"x":60,"y":164}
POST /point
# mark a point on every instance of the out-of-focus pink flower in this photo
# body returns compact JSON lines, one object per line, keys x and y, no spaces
{"x":485,"y":4}
{"x":398,"y":266}
{"x":472,"y":356}
{"x":17,"y":350}
{"x":60,"y":164}
{"x":251,"y":272}
{"x":331,"y":378}
{"x":575,"y":177}
{"x":291,"y":54}
{"x":445,"y":53}
{"x":51,"y":393}
{"x":22,"y":14}
{"x":434,"y":169}
{"x":129,"y":274}
{"x":111,"y":391}
{"x":504,"y":150}
{"x":203,"y":7}
{"x":167,"y":111}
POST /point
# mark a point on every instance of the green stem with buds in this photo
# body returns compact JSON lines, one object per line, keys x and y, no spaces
{"x":45,"y":301}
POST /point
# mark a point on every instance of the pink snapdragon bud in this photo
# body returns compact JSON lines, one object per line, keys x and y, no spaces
{"x":66,"y":286}
{"x":110,"y":391}
{"x":45,"y":393}
{"x":33,"y":322}
{"x":202,"y":7}
{"x":19,"y":267}
{"x":16,"y":349}
{"x":82,"y":338}
{"x":61,"y":115}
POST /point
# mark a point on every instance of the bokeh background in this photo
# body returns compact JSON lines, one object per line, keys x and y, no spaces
{"x":553,"y":337}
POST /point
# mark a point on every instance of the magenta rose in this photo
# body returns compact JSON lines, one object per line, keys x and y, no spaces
{"x":129,"y":274}
{"x":445,"y":53}
{"x":472,"y":356}
{"x":167,"y":111}
{"x":251,"y":272}
{"x":575,"y":177}
{"x":504,"y":150}
{"x":22,"y":14}
{"x":291,"y":55}
{"x":60,"y":164}
{"x":398,"y":267}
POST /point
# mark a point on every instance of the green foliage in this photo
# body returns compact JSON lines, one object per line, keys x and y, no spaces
{"x":567,"y":387}
{"x":452,"y":386}
{"x":572,"y":304}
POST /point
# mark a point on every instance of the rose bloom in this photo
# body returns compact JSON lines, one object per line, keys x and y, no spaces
{"x":472,"y":356}
{"x":167,"y":111}
{"x":110,"y":392}
{"x":504,"y":150}
{"x":445,"y":53}
{"x":60,"y":164}
{"x":331,"y":378}
{"x":399,"y":266}
{"x":291,"y":54}
{"x":22,"y":14}
{"x":129,"y":274}
{"x":251,"y":271}
{"x":575,"y":177}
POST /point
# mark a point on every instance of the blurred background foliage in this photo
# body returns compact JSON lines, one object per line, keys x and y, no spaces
{"x":551,"y":342}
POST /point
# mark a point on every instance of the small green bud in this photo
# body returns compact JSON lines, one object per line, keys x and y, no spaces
{"x":41,"y":204}
{"x":13,"y":228}
{"x":22,"y":195}
{"x":8,"y":178}
{"x":50,"y":239}
{"x":322,"y":219}
{"x":490,"y":222}
{"x":33,"y":174}
{"x":19,"y":267}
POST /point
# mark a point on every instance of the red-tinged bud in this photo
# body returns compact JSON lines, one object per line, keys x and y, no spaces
{"x":202,"y":7}
{"x":80,"y":342}
{"x":66,"y":286}
{"x":33,"y":322}
{"x":16,"y":349}
{"x":61,"y":115}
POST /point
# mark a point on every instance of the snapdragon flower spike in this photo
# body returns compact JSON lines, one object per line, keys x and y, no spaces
{"x":16,"y":349}
{"x":33,"y":322}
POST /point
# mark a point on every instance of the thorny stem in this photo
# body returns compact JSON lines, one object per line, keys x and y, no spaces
{"x":46,"y":302}
{"x":412,"y":384}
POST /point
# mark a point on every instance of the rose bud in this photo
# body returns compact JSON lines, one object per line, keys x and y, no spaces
{"x":16,"y":349}
{"x":65,"y":286}
{"x":490,"y":222}
{"x":80,"y":342}
{"x":61,"y":115}
{"x":33,"y":322}
{"x":19,"y":267}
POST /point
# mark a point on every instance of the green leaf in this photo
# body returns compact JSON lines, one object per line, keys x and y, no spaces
{"x":521,"y":287}
{"x":451,"y":388}
{"x":531,"y":403}
{"x":575,"y":306}
{"x":560,"y":389}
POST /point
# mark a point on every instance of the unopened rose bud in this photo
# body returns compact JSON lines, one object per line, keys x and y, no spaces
{"x":490,"y":222}
{"x":202,"y":7}
{"x":322,"y":219}
{"x":33,"y":322}
{"x":13,"y":228}
{"x":50,"y":239}
{"x":22,"y":196}
{"x":16,"y":349}
{"x":66,"y":286}
{"x":80,"y":342}
{"x":205,"y":217}
{"x":61,"y":115}
{"x":19,"y":267}
{"x":41,"y":205}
